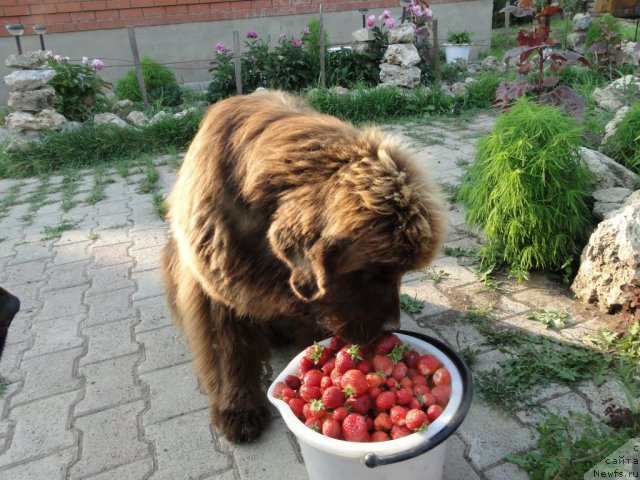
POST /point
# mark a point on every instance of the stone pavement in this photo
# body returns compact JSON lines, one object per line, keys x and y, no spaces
{"x":99,"y":384}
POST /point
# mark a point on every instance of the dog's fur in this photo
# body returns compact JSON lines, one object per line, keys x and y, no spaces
{"x":281,"y":218}
{"x":9,"y":306}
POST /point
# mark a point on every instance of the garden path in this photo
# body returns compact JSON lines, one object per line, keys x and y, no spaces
{"x":99,"y":383}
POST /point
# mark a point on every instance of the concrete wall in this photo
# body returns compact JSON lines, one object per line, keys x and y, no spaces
{"x":193,"y":43}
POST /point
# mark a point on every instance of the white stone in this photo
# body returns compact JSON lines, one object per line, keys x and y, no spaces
{"x":21,"y":80}
{"x":459,"y":89}
{"x":401,"y":34}
{"x":607,"y":171}
{"x":111,"y":118}
{"x":34,"y":59}
{"x":575,"y":41}
{"x":612,"y":126}
{"x":492,"y":63}
{"x":397,"y":76}
{"x":32,"y":100}
{"x":610,"y":259}
{"x":609,"y":199}
{"x":45,"y":120}
{"x":184,"y":112}
{"x":137,"y":118}
{"x":630,"y":52}
{"x":405,"y":54}
{"x":617,"y":94}
{"x":158,"y":117}
{"x":122,"y":107}
{"x":362,"y":35}
{"x":581,"y":22}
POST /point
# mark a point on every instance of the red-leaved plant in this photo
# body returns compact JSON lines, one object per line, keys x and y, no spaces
{"x":538,"y":40}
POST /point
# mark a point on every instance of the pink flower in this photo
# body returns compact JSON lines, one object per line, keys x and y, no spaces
{"x":390,"y":23}
{"x":371,"y":21}
{"x":221,"y":48}
{"x":251,"y":34}
{"x":306,"y":32}
{"x":98,"y":64}
{"x":296,"y":42}
{"x":385,"y":15}
{"x":417,"y":10}
{"x":427,"y":14}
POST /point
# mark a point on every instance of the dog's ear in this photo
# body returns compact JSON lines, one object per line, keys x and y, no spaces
{"x":311,"y":260}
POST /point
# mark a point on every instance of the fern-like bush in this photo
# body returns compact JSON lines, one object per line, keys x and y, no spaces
{"x":160,"y":83}
{"x":528,"y":191}
{"x":624,"y":145}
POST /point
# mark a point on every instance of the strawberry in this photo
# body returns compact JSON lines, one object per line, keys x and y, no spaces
{"x":318,"y":410}
{"x":428,"y":399}
{"x":441,"y":377}
{"x":398,"y":414}
{"x":306,"y":411}
{"x":317,"y":354}
{"x":410,"y":357}
{"x":419,"y":380}
{"x":386,"y":400}
{"x":427,"y":364}
{"x":329,"y":365}
{"x":314,"y":424}
{"x":379,"y":436}
{"x":406,"y":382}
{"x":353,"y":382}
{"x":442,"y":394}
{"x":359,"y":404}
{"x":325,"y":383}
{"x":331,"y":428}
{"x":292,"y":382}
{"x":399,"y":371}
{"x":391,"y":383}
{"x":374,"y":392}
{"x":434,"y":412}
{"x":336,"y":377}
{"x":375,"y":380}
{"x":369,"y":421}
{"x":312,"y":378}
{"x":404,"y":395}
{"x":336,"y":344}
{"x":414,"y":403}
{"x":332,"y":397}
{"x":382,"y":422}
{"x":364,"y":366}
{"x":354,"y":428}
{"x":383,"y":364}
{"x":384,"y":344}
{"x":296,"y":405}
{"x":340,"y":414}
{"x":416,"y":420}
{"x":348,"y":358}
{"x":399,"y":431}
{"x":309,"y":392}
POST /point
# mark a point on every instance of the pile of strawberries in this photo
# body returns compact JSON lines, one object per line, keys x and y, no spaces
{"x":380,"y":392}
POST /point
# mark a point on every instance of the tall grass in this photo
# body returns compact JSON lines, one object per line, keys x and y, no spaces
{"x":624,"y":145}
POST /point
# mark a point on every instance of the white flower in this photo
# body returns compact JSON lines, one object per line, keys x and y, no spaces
{"x":85,"y":61}
{"x":57,"y":58}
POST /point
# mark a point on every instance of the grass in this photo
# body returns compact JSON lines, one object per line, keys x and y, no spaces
{"x":550,"y":318}
{"x":56,"y":232}
{"x":68,"y":189}
{"x":93,"y":236}
{"x":436,"y":277}
{"x":97,"y":189}
{"x":148,"y":183}
{"x":411,"y":304}
{"x":10,"y":198}
{"x":159,"y":205}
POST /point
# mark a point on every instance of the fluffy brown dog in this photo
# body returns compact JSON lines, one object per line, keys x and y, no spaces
{"x":281,"y":218}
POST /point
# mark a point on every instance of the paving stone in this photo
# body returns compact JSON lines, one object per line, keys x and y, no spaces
{"x":487,"y":361}
{"x":154,"y":313}
{"x":30,"y":252}
{"x":458,"y":334}
{"x":149,"y":284}
{"x":109,"y":383}
{"x":148,"y":258}
{"x":108,"y":440}
{"x":107,"y":279}
{"x":131,"y":471}
{"x":8,"y":245}
{"x":279,"y":442}
{"x":486,"y":438}
{"x":47,"y":375}
{"x":109,"y":340}
{"x":77,"y":235}
{"x":73,"y":252}
{"x":67,"y":275}
{"x":456,"y":274}
{"x":231,"y":474}
{"x":6,"y":424}
{"x":111,"y":254}
{"x":10,"y":361}
{"x":20,"y":330}
{"x":149,"y":238}
{"x":455,"y":465}
{"x":562,"y":405}
{"x":54,"y":335}
{"x":435,"y":301}
{"x":552,"y":299}
{"x":62,"y":303}
{"x":173,"y":391}
{"x":116,"y":196}
{"x":40,"y":429}
{"x":600,"y":397}
{"x":110,"y":306}
{"x":29,"y":295}
{"x":163,"y":347}
{"x":23,"y":273}
{"x":506,"y":471}
{"x":54,"y":466}
{"x":111,"y":236}
{"x":106,"y":222}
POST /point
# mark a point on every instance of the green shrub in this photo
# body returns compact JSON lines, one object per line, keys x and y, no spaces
{"x":481,"y":94}
{"x":79,"y":90}
{"x":346,"y":68}
{"x":624,"y":145}
{"x":528,"y":190}
{"x":159,"y":81}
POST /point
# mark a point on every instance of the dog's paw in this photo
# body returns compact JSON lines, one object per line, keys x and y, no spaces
{"x":242,"y":426}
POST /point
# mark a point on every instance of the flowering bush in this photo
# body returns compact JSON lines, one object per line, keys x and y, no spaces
{"x":79,"y":88}
{"x":160,"y":83}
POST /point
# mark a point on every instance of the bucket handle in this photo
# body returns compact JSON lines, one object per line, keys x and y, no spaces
{"x":372,"y":460}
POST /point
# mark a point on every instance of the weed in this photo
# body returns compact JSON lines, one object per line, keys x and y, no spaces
{"x":159,"y":205}
{"x":452,"y":191}
{"x":93,"y":236}
{"x":409,"y":304}
{"x":436,"y":277}
{"x":468,"y":354}
{"x":148,"y":183}
{"x":56,"y":232}
{"x":68,"y":189}
{"x":9,"y":199}
{"x":550,"y":318}
{"x":97,"y":189}
{"x":625,"y":346}
{"x":466,"y":257}
{"x":3,"y":385}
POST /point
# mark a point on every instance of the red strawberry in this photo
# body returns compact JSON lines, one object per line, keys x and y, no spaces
{"x":379,"y":436}
{"x":364,"y":366}
{"x":329,"y":365}
{"x":391,"y":383}
{"x":442,"y":394}
{"x":419,"y":380}
{"x":336,"y":344}
{"x":325,"y":383}
{"x":382,"y":364}
{"x":427,"y":364}
{"x":359,"y":404}
{"x":336,"y":377}
{"x":414,"y":403}
{"x":375,"y":380}
{"x":317,"y":354}
{"x":410,"y":357}
{"x":332,"y":397}
{"x":382,"y":422}
{"x":416,"y":420}
{"x":314,"y":424}
{"x":353,"y":382}
{"x":340,"y":413}
{"x":399,"y":431}
{"x":406,"y":382}
{"x":309,"y":392}
{"x":384,"y":344}
{"x":404,"y":395}
{"x":312,"y":378}
{"x":331,"y":428}
{"x":296,"y":405}
{"x":348,"y":358}
{"x":306,"y":411}
{"x":374,"y":392}
{"x":292,"y":382}
{"x":398,"y":414}
{"x":386,"y":400}
{"x":441,"y":377}
{"x":318,"y":410}
{"x":434,"y":412}
{"x":354,"y":428}
{"x":428,"y":399}
{"x":399,"y":371}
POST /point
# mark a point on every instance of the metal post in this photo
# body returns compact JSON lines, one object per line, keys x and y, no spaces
{"x":18,"y":45}
{"x":136,"y":61}
{"x":41,"y":42}
{"x":237,"y":61}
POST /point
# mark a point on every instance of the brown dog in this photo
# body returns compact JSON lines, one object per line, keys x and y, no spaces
{"x":9,"y":306}
{"x":281,"y":218}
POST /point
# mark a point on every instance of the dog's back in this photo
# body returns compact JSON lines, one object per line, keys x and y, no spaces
{"x":9,"y":306}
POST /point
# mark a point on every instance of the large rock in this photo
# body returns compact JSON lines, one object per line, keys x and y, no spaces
{"x":575,"y":42}
{"x":362,"y":35}
{"x":491,"y":63}
{"x":607,"y":172}
{"x":22,"y":80}
{"x":630,"y":52}
{"x":609,"y":199}
{"x":581,"y":22}
{"x":122,"y":107}
{"x":110,"y":118}
{"x":610,"y":259}
{"x":459,"y":89}
{"x":158,"y":117}
{"x":401,"y":34}
{"x":618,"y":94}
{"x":21,"y":122}
{"x":405,"y":54}
{"x":28,"y":60}
{"x":611,"y":127}
{"x":137,"y":119}
{"x":397,"y":76}
{"x":32,"y":100}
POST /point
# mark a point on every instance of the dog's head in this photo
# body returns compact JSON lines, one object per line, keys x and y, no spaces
{"x":348,"y":240}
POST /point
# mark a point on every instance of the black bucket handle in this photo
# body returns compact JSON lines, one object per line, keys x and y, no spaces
{"x":372,"y":460}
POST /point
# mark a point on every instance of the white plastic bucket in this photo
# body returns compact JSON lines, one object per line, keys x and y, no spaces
{"x":454,"y":51}
{"x":416,"y":456}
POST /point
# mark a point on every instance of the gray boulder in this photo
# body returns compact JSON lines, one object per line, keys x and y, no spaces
{"x":405,"y":54}
{"x":611,"y":127}
{"x":401,"y":34}
{"x":581,"y":22}
{"x":608,"y":200}
{"x":32,"y":100}
{"x":137,"y":119}
{"x":362,"y":35}
{"x":159,"y":116}
{"x":459,"y":89}
{"x":28,"y":60}
{"x":109,"y":118}
{"x":23,"y":122}
{"x":618,"y":94}
{"x":22,"y":80}
{"x":492,"y":63}
{"x":398,"y":76}
{"x":607,"y":172}
{"x":122,"y":107}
